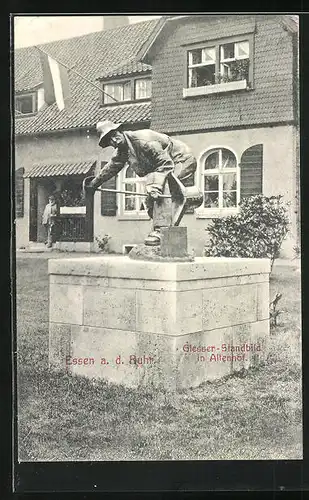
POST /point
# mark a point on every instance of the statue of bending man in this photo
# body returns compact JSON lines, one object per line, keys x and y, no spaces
{"x":151,"y":155}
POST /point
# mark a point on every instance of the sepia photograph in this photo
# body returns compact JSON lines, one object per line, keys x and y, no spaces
{"x":156,"y":171}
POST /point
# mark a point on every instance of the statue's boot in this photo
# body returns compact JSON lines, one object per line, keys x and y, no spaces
{"x":154,"y":238}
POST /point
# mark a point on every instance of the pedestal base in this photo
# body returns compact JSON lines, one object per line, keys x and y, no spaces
{"x":173,"y":247}
{"x":164,"y":325}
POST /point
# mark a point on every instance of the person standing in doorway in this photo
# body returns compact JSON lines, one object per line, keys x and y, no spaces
{"x":48,"y":220}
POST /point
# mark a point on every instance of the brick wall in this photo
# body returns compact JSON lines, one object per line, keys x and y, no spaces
{"x":271,"y":100}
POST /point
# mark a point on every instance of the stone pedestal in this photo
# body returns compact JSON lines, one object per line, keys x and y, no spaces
{"x":174,"y":242}
{"x":169,"y":325}
{"x":173,"y":247}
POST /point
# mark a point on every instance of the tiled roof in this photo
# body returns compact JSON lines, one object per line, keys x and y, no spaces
{"x":126,"y":113}
{"x":27,"y":70}
{"x":289,"y":21}
{"x":129,"y":67}
{"x":94,"y":55}
{"x":60,"y":169}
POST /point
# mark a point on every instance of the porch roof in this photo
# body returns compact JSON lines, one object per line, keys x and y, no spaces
{"x":60,"y":169}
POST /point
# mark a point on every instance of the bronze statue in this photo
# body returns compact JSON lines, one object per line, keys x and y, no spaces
{"x":163,"y":161}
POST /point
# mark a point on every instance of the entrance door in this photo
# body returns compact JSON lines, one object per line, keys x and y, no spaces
{"x":40,"y":190}
{"x":45,"y":188}
{"x":67,"y":191}
{"x":75,"y":225}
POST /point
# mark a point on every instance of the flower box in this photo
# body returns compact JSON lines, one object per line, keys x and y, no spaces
{"x":215,"y":89}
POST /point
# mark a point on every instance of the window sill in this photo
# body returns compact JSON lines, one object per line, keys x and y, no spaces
{"x":25,"y":115}
{"x":215,"y":89}
{"x":119,"y":103}
{"x":212,"y":213}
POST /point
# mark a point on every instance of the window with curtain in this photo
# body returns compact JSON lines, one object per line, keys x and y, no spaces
{"x":220,"y":180}
{"x":119,"y":91}
{"x":220,"y":63}
{"x":142,"y":88}
{"x":133,"y":89}
{"x":132,"y":203}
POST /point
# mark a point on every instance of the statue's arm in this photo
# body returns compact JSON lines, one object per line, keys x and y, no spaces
{"x":116,"y":163}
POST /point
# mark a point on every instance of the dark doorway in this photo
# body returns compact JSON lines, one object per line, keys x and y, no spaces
{"x":46,"y":187}
{"x":33,"y":210}
{"x":68,"y":192}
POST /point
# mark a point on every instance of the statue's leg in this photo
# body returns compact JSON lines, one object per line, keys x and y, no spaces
{"x":184,"y":172}
{"x":149,"y":201}
{"x":167,"y":212}
{"x":161,"y":216}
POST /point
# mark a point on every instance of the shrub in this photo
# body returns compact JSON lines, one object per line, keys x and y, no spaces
{"x":103,"y":243}
{"x":297,"y":252}
{"x":69,"y":198}
{"x":273,"y":311}
{"x":257,"y":231}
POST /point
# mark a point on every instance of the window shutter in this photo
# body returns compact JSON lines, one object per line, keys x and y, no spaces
{"x":19,"y":192}
{"x":33,"y":215}
{"x":108,"y":200}
{"x":251,"y":171}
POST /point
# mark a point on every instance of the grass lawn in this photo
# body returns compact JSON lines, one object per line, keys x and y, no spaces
{"x":254,"y":416}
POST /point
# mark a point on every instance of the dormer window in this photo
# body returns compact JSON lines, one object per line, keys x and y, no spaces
{"x":135,"y":89}
{"x":119,"y":91}
{"x":25,"y":104}
{"x":142,"y":88}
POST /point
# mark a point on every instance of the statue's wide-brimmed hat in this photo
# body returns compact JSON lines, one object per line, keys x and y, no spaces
{"x":104,"y":128}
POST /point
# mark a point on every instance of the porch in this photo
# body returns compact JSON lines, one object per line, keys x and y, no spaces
{"x":74,"y":219}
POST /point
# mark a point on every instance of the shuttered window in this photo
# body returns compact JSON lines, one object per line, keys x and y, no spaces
{"x":108,"y":200}
{"x":19,"y":192}
{"x":251,"y":171}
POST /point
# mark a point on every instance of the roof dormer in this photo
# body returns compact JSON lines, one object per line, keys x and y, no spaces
{"x":29,"y":101}
{"x":128,"y":82}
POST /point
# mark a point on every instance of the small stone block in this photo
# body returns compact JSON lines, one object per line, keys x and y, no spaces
{"x":174,"y":241}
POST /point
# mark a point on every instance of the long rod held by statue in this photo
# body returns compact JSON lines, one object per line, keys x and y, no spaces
{"x":132,"y":193}
{"x":180,"y":196}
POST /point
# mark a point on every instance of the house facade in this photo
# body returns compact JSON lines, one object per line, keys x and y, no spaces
{"x":226,"y":85}
{"x":55,"y":150}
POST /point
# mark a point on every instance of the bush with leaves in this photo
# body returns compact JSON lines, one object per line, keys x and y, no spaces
{"x":69,"y":198}
{"x":257,"y":231}
{"x":103,"y":243}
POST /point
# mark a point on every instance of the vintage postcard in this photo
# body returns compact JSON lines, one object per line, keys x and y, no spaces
{"x":157,"y":215}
